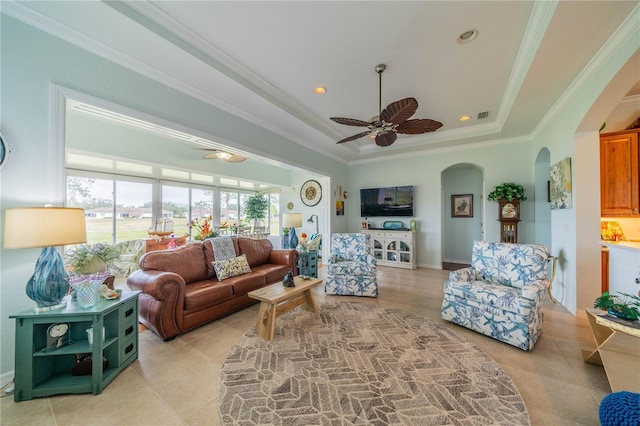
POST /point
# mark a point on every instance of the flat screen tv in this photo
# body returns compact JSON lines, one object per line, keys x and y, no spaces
{"x":390,"y":201}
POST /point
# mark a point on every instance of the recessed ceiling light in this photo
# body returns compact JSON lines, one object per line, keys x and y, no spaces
{"x":467,"y":36}
{"x":319,"y":90}
{"x":464,"y":118}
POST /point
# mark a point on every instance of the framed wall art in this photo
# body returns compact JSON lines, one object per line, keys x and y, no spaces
{"x":462,"y":205}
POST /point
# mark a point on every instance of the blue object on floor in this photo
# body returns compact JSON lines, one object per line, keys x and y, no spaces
{"x":620,"y":409}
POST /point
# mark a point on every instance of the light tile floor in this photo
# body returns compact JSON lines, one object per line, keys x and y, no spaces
{"x":176,"y":383}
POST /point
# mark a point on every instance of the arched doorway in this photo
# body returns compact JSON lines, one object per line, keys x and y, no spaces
{"x":459,"y":231}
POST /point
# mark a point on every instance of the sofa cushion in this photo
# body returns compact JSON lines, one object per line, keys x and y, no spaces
{"x":231,"y":267}
{"x":272,"y":272}
{"x":188,"y":261}
{"x":243,"y":284}
{"x":514,"y":265}
{"x":257,"y":251}
{"x":502,"y":297}
{"x":203,"y":294}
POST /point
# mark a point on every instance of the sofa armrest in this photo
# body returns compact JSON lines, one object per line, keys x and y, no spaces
{"x":161,"y":302}
{"x":371,"y":260}
{"x":462,"y":275}
{"x":535,"y":290}
{"x":157,"y":284}
{"x":289,"y":257}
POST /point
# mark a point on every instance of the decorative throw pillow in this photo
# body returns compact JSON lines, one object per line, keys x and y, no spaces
{"x":231,"y":267}
{"x":223,"y":248}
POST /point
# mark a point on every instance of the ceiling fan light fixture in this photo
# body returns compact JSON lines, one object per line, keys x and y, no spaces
{"x":319,"y":90}
{"x":223,"y":155}
{"x":467,"y":36}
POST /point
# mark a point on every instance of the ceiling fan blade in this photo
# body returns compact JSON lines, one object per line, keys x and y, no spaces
{"x":386,"y":139}
{"x":349,"y":121}
{"x":419,"y":125}
{"x":399,"y":111}
{"x":354,"y":137}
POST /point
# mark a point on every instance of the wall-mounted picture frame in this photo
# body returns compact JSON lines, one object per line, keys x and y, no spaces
{"x":462,"y":205}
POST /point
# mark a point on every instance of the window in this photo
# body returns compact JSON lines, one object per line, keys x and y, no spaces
{"x":133,"y":213}
{"x":229,"y":213}
{"x":175,"y":202}
{"x":95,"y":196}
{"x":119,"y":208}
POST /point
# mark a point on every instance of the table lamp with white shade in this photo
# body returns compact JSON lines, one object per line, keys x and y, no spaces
{"x":292,"y":221}
{"x":45,"y":227}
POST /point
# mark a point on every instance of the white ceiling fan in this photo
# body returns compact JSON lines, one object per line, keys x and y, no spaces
{"x":222,"y":155}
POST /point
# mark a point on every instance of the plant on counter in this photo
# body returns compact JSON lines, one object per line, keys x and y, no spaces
{"x":623,"y":306}
{"x":509,"y":191}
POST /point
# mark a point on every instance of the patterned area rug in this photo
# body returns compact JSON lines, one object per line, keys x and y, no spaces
{"x":357,"y":363}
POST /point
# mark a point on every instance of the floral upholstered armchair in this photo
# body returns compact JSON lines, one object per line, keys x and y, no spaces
{"x":502,"y":293}
{"x":129,"y":253}
{"x":351,"y":269}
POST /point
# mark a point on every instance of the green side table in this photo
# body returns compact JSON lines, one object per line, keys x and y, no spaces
{"x":42,"y":369}
{"x":308,"y":264}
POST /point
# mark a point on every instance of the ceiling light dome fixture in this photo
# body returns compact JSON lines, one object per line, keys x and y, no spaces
{"x":319,"y":90}
{"x":465,"y":118}
{"x":467,"y":36}
{"x":222,"y":155}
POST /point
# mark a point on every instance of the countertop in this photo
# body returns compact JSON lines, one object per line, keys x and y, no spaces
{"x":626,"y":245}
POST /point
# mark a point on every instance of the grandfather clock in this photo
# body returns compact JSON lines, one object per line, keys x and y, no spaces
{"x":509,"y":216}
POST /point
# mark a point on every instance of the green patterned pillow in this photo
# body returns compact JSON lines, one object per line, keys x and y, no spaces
{"x":231,"y":267}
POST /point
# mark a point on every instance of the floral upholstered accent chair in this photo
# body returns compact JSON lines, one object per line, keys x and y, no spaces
{"x":351,"y":269}
{"x":502,"y":293}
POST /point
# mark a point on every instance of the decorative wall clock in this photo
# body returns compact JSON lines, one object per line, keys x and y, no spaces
{"x":4,"y":150}
{"x":311,"y":193}
{"x":57,"y":335}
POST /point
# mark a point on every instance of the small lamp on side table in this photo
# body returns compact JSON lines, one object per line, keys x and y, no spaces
{"x":292,"y":221}
{"x":45,"y":227}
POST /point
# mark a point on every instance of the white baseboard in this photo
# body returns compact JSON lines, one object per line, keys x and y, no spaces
{"x":424,"y":265}
{"x":466,"y":262}
{"x":6,"y":378}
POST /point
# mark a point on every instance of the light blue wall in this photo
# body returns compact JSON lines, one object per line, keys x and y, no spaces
{"x":31,"y":62}
{"x":460,"y":232}
{"x":500,"y":162}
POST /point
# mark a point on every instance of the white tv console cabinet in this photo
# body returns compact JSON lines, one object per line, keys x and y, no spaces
{"x":396,"y":248}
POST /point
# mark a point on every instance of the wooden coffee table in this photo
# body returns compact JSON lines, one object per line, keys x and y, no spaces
{"x":277,"y":299}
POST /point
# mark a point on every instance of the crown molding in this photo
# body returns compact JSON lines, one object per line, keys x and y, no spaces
{"x":539,"y":21}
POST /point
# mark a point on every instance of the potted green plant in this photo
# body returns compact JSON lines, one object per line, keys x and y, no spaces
{"x":256,"y":207}
{"x":87,"y":259}
{"x":623,"y":306}
{"x":507,"y":191}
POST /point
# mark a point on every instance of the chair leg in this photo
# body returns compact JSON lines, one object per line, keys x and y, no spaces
{"x":553,"y":260}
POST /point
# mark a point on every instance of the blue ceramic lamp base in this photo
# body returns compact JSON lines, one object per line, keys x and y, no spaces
{"x":293,"y":239}
{"x":48,"y":285}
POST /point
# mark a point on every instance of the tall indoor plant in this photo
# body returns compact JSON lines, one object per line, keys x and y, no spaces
{"x":256,"y":207}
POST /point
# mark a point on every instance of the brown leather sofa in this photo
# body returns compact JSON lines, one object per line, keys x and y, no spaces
{"x":180,"y":290}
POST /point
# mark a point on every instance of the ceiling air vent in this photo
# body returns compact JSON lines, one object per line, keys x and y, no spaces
{"x":483,"y":114}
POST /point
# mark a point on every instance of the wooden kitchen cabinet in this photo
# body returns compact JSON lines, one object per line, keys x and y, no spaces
{"x":619,"y":177}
